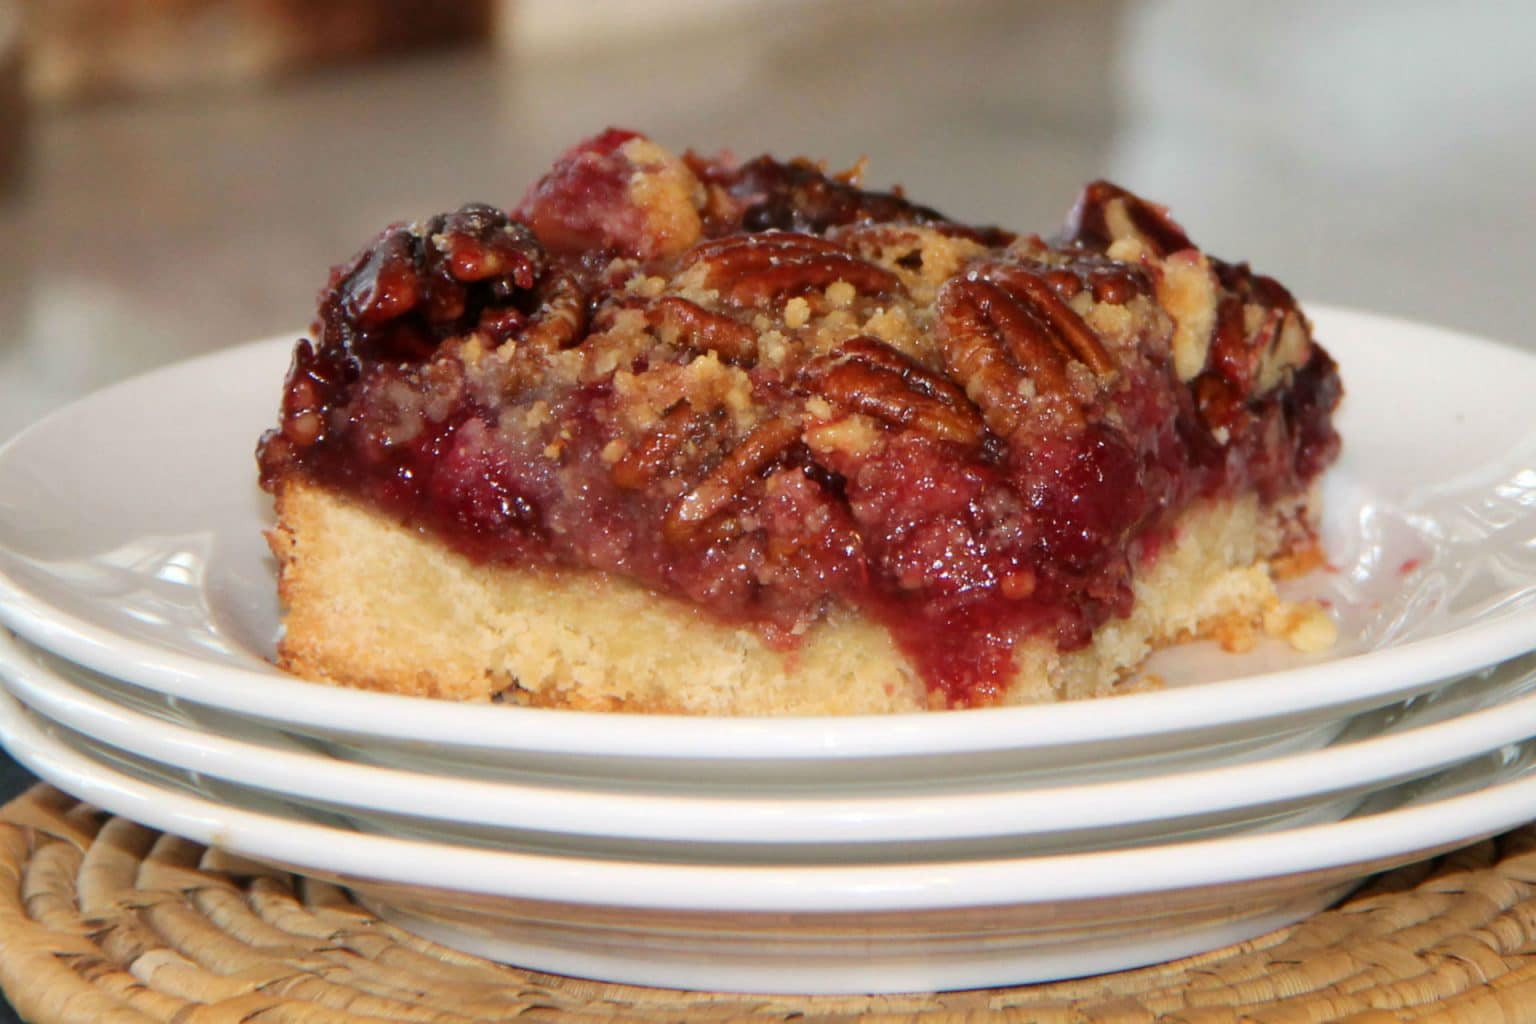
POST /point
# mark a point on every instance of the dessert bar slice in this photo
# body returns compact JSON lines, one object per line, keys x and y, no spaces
{"x":689,"y":434}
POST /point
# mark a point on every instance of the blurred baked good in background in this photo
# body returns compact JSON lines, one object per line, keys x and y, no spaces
{"x":12,"y":107}
{"x":97,"y":49}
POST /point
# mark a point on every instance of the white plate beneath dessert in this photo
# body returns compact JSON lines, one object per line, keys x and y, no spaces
{"x":950,"y":818}
{"x":130,"y":542}
{"x":850,"y":926}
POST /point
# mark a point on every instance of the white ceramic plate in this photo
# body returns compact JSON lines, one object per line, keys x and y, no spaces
{"x":846,"y":927}
{"x":1384,"y":747}
{"x":130,"y":542}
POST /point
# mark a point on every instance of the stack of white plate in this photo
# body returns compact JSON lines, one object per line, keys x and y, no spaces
{"x":927,"y":851}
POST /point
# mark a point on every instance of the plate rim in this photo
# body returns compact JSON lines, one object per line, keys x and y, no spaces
{"x":1396,"y":836}
{"x":807,"y":820}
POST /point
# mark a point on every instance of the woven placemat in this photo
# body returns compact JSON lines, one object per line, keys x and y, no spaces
{"x":107,"y":922}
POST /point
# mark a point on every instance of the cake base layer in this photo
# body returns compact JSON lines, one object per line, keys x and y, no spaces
{"x":375,"y":605}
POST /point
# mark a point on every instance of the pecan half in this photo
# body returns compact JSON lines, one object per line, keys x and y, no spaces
{"x":1231,"y":356}
{"x":418,"y":285}
{"x":1066,"y":329}
{"x":689,"y":325}
{"x":901,"y":244}
{"x":753,"y":270}
{"x":1107,"y":280}
{"x":1106,"y":214}
{"x":1188,"y":292}
{"x":1255,"y":345}
{"x":1005,"y":358}
{"x":1287,"y":348}
{"x":732,"y":477}
{"x":561,"y":318}
{"x":870,"y":377}
{"x":923,"y":257}
{"x":651,"y":458}
{"x":764,"y":194}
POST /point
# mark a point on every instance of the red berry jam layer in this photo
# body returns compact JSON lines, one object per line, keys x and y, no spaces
{"x":769,"y":392}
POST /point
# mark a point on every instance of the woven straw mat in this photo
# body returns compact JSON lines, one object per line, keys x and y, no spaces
{"x":107,"y":922}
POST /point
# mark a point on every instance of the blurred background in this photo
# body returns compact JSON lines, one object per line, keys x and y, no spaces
{"x":179,"y":174}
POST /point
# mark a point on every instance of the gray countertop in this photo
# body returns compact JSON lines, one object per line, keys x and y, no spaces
{"x":1372,"y":154}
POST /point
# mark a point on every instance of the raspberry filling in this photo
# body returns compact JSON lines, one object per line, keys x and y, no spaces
{"x":774,"y":394}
